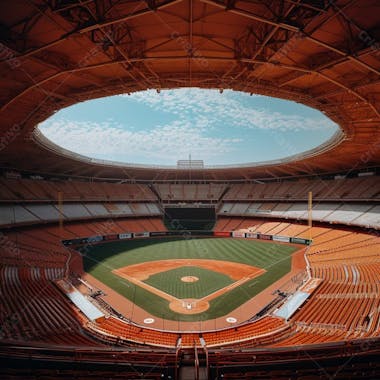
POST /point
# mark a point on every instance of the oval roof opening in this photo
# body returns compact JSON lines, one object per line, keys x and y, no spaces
{"x":162,"y":127}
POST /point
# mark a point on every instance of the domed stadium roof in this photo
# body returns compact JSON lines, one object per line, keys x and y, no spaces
{"x":321,"y":53}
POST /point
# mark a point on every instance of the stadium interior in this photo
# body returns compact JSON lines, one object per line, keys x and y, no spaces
{"x":322,"y":323}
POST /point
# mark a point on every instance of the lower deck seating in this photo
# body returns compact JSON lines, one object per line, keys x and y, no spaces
{"x":267,"y":329}
{"x":353,"y":308}
{"x":33,"y":309}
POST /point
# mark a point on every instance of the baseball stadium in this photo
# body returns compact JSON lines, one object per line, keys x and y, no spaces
{"x":258,"y":270}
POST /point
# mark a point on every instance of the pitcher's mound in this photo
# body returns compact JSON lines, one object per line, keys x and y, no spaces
{"x":189,"y":279}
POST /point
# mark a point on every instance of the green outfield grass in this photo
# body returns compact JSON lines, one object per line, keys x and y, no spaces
{"x":275,"y":258}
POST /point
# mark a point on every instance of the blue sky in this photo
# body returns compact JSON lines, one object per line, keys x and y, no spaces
{"x":160,"y":128}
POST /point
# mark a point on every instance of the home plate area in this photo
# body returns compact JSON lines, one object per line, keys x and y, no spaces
{"x":189,"y":284}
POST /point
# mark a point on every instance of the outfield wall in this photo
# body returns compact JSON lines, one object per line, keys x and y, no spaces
{"x":141,"y":235}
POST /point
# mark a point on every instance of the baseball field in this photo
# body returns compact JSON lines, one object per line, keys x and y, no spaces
{"x":185,"y":279}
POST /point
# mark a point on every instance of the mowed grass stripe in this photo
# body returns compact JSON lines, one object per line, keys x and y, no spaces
{"x":100,"y":260}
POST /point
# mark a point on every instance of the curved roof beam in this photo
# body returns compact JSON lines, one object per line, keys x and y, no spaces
{"x":292,"y":28}
{"x":95,"y":26}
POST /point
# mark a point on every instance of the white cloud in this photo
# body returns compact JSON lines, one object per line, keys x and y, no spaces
{"x":167,"y":143}
{"x":211,"y":109}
